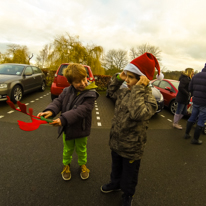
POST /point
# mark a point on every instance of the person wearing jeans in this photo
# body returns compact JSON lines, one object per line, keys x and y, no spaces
{"x":197,"y":87}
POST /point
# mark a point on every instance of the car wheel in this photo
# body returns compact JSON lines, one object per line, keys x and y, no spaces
{"x":43,"y":86}
{"x":16,"y":94}
{"x":173,"y":107}
{"x":53,"y":97}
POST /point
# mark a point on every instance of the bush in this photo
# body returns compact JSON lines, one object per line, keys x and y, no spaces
{"x":102,"y":81}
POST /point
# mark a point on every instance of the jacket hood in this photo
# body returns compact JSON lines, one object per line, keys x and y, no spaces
{"x":183,"y":76}
{"x":91,"y":85}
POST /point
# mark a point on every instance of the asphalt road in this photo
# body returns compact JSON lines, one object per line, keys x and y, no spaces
{"x":172,"y":171}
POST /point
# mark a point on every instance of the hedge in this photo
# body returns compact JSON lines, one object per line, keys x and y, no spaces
{"x":100,"y":80}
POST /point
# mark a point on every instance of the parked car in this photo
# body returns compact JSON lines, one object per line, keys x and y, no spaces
{"x":60,"y":82}
{"x":169,"y":89}
{"x":19,"y":79}
{"x":158,"y":96}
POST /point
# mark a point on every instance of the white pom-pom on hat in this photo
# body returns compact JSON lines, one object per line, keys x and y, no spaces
{"x":160,"y":76}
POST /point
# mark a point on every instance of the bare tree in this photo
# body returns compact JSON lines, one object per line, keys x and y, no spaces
{"x":115,"y":59}
{"x":141,"y":49}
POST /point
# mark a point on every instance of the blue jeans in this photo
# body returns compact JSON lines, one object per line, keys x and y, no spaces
{"x":181,"y":109}
{"x":198,"y":113}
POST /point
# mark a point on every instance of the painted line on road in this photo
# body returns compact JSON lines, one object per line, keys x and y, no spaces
{"x":99,"y":124}
{"x":96,"y":108}
{"x":98,"y":117}
{"x":1,"y":116}
{"x":27,"y":104}
{"x":169,"y":120}
{"x":162,"y":116}
{"x":32,"y":101}
{"x":37,"y":99}
{"x":10,"y":112}
{"x":97,"y":112}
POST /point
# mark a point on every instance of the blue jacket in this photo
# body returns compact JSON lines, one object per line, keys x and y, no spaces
{"x":197,"y":87}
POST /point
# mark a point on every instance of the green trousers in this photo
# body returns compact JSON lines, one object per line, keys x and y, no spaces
{"x":80,"y":144}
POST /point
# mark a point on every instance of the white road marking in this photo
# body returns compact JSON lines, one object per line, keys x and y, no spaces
{"x":96,"y":108}
{"x":97,"y":112}
{"x":1,"y":116}
{"x":99,"y":124}
{"x":98,"y":117}
{"x":169,"y":120}
{"x":162,"y":116}
{"x":27,"y":104}
{"x":10,"y":112}
{"x":32,"y":101}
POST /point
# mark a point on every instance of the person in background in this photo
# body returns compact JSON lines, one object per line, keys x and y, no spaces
{"x":183,"y":96}
{"x":134,"y":107}
{"x":197,"y":88}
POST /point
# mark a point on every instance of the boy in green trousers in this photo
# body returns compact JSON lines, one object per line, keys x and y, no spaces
{"x":75,"y":104}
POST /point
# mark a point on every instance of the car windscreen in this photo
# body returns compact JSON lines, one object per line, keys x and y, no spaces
{"x":64,"y":66}
{"x":11,"y":69}
{"x":176,"y":84}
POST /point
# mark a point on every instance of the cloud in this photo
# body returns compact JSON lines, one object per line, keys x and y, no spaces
{"x":175,"y":26}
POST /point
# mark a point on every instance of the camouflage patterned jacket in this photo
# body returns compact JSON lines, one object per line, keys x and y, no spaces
{"x":133,"y":109}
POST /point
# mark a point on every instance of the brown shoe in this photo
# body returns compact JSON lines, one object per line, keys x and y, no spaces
{"x":84,"y":174}
{"x":66,"y":174}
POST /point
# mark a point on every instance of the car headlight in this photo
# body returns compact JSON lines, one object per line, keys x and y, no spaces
{"x":3,"y":86}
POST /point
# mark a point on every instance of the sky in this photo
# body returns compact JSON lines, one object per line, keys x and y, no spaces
{"x":176,"y":27}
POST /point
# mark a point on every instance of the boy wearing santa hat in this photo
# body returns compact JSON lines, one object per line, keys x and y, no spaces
{"x":134,"y":107}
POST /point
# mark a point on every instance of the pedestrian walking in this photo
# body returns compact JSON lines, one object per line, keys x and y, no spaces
{"x":75,"y":104}
{"x":197,"y":87}
{"x":183,"y":96}
{"x":134,"y":107}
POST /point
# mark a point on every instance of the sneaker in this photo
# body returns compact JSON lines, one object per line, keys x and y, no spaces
{"x":126,"y":200}
{"x":187,"y":136}
{"x":84,"y":174}
{"x":110,"y":187}
{"x":196,"y":141}
{"x":177,"y":126}
{"x":66,"y":174}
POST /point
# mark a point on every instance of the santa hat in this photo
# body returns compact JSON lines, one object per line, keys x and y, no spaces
{"x":144,"y":65}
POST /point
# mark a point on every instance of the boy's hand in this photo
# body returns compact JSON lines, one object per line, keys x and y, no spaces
{"x":122,"y":75}
{"x":45,"y":114}
{"x":56,"y":122}
{"x":143,"y":81}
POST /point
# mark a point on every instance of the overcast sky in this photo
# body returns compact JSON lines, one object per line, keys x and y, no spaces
{"x":177,"y":27}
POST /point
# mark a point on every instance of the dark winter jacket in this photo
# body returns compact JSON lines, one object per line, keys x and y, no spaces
{"x":183,"y":95}
{"x":133,"y":109}
{"x":197,"y":88}
{"x":76,"y":111}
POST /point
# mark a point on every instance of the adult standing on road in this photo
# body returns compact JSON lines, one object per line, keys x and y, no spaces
{"x":197,"y":88}
{"x":183,"y":96}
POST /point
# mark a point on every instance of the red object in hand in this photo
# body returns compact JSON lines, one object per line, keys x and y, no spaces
{"x":26,"y":126}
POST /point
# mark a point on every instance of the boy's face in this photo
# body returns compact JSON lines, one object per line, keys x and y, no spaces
{"x":131,"y":79}
{"x":80,"y":85}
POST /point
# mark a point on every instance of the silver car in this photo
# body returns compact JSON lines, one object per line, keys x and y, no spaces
{"x":18,"y":79}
